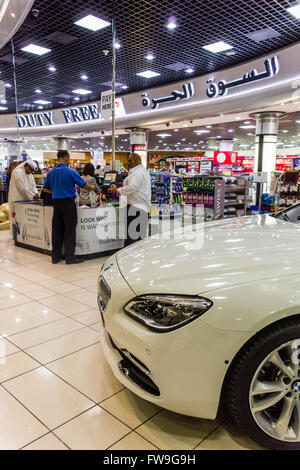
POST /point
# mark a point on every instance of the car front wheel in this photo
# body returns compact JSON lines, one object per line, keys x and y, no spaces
{"x":263,"y":387}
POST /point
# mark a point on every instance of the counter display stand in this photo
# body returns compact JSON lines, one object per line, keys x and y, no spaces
{"x":99,"y":230}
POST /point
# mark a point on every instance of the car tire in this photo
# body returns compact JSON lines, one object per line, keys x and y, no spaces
{"x":257,"y":361}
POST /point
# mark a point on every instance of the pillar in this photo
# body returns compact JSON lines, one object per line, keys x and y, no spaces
{"x":226,"y":145}
{"x":138,"y":143}
{"x":62,"y":143}
{"x":266,"y":146}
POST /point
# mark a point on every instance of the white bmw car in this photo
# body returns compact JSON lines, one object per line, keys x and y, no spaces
{"x":194,"y":331}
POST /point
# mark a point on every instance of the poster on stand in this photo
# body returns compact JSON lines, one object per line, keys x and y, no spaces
{"x":97,"y":230}
{"x":29,"y":225}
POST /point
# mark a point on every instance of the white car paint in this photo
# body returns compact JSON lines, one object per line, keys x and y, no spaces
{"x":249,"y":267}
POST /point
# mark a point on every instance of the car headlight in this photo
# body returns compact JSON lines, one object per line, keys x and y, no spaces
{"x":163,"y":313}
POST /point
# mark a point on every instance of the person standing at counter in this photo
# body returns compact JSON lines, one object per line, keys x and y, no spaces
{"x":22,"y":186}
{"x":137,"y":189}
{"x":61,"y":182}
{"x":89,"y":178}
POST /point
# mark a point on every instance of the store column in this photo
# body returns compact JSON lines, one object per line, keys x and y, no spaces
{"x":226,"y":145}
{"x":138,"y":143}
{"x":62,"y":143}
{"x":266,"y":146}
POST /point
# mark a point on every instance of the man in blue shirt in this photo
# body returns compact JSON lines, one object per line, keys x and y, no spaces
{"x":61,"y":182}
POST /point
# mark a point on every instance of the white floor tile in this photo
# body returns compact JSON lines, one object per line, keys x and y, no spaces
{"x":93,"y":430}
{"x":41,"y":334}
{"x":16,"y":364}
{"x":171,"y":431}
{"x":67,"y":344}
{"x":64,"y":304}
{"x":6,"y":348}
{"x":130,"y":408}
{"x":88,"y":318}
{"x":18,"y":427}
{"x":24,"y":317}
{"x":48,"y":442}
{"x":48,"y":397}
{"x":133,"y":441}
{"x":87,"y":370}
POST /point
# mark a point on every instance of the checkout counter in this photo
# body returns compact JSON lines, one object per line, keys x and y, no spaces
{"x":99,"y":230}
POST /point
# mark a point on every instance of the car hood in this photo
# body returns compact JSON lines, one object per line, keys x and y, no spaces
{"x":229,"y":252}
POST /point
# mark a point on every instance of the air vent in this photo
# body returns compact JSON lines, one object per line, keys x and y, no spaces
{"x":9,"y":59}
{"x":177,"y":67}
{"x":61,"y":38}
{"x":263,"y":35}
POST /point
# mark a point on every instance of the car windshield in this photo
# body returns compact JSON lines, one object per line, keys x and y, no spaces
{"x":292,"y":214}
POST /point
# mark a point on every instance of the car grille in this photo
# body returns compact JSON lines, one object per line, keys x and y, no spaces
{"x":104,"y":294}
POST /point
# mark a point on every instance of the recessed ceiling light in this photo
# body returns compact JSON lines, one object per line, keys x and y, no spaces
{"x":3,"y":108}
{"x":40,"y":107}
{"x":52,"y":68}
{"x":201,"y":131}
{"x":237,"y":118}
{"x":248,"y":127}
{"x":8,"y":85}
{"x":218,"y":47}
{"x":295,"y":11}
{"x":84,"y":77}
{"x":92,"y":22}
{"x":176,"y":130}
{"x":34,"y":49}
{"x":148,"y":74}
{"x":171,"y":25}
{"x":230,"y":130}
{"x":124,"y":87}
{"x":150,"y":57}
{"x":38,"y":91}
{"x":42,"y":102}
{"x":230,"y":53}
{"x":190,"y":70}
{"x":80,"y":91}
{"x":117,"y":45}
{"x":285,"y":131}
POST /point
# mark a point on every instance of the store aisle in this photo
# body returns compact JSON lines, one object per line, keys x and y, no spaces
{"x":56,"y":390}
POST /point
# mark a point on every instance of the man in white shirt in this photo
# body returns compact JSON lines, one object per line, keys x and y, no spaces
{"x":137,"y":190}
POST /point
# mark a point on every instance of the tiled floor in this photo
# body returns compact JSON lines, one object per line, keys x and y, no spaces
{"x":56,"y":389}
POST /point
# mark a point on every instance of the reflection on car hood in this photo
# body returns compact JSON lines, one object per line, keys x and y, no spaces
{"x":230,"y":252}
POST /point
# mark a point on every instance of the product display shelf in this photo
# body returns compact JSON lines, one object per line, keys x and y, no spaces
{"x":288,"y":189}
{"x":167,"y":194}
{"x":222,"y":197}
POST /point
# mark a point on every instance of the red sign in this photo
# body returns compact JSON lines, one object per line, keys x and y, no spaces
{"x":283,"y":164}
{"x":139,"y":147}
{"x":225,"y":158}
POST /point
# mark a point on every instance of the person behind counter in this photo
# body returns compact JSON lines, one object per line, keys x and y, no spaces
{"x":22,"y":186}
{"x":137,"y":189}
{"x":89,"y":178}
{"x":61,"y":182}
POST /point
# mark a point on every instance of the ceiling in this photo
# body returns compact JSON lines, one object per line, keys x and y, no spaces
{"x":182,"y":137}
{"x":141,"y":29}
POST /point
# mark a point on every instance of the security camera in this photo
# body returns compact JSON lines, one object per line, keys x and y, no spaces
{"x":35,"y":12}
{"x":191,"y":122}
{"x":102,"y":132}
{"x":167,"y":124}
